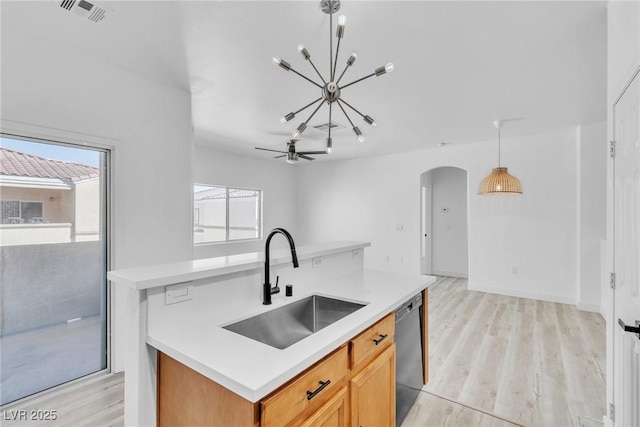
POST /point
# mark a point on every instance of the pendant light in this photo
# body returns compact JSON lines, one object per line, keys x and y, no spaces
{"x":500,"y":181}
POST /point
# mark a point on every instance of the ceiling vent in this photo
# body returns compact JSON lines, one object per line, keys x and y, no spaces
{"x":85,"y":9}
{"x":325,"y":127}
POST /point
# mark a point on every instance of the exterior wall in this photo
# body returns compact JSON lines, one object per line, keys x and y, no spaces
{"x":63,"y":282}
{"x":34,"y":234}
{"x":87,"y":210}
{"x":55,"y":203}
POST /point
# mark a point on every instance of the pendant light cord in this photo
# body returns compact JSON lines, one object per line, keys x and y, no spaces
{"x":499,"y":146}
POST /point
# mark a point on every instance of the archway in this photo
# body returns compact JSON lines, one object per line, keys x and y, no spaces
{"x":444,"y":222}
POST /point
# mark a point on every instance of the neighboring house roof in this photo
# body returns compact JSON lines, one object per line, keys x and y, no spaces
{"x":15,"y":163}
{"x":221,"y":193}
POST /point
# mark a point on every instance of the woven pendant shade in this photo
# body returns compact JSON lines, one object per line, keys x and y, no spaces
{"x":500,"y":182}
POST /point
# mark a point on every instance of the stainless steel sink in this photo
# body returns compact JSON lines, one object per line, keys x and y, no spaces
{"x":284,"y":326}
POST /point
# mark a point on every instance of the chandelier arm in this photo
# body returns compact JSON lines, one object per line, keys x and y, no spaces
{"x":314,"y":113}
{"x":318,"y":72}
{"x":330,"y":42}
{"x":307,"y":106}
{"x":350,"y":106}
{"x":356,"y":81}
{"x":335,"y":62}
{"x":341,"y":75}
{"x":345,"y":113}
{"x":330,"y":105}
{"x":306,"y":78}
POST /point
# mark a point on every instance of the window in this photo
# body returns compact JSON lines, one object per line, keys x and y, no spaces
{"x":14,"y":211}
{"x":223,"y":214}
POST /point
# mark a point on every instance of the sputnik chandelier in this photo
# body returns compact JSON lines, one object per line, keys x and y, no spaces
{"x":331,"y":90}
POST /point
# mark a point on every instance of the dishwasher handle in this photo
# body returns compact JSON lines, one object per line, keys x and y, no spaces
{"x":408,"y":307}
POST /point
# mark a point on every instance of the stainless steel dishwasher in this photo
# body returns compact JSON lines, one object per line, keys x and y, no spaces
{"x":408,"y":355}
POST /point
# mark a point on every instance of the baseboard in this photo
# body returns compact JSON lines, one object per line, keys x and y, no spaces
{"x":521,"y":294}
{"x":587,"y":306}
{"x":449,"y":274}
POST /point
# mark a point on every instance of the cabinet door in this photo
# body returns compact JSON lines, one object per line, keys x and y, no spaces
{"x":334,"y":413}
{"x":373,"y":392}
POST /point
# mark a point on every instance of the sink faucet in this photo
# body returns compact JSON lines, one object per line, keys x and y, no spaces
{"x":268,"y":290}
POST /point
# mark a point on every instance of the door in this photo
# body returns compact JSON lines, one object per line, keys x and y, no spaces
{"x":53,"y":264}
{"x":426,"y":230}
{"x":626,"y":255}
{"x":373,"y":392}
{"x":332,"y":413}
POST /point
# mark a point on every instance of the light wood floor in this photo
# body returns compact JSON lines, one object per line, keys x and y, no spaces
{"x":494,"y":361}
{"x":532,"y":362}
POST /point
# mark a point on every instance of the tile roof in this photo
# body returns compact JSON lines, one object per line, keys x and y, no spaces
{"x":16,"y":163}
{"x":220,"y":193}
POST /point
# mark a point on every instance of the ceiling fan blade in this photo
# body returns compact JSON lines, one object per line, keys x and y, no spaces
{"x":267,"y":149}
{"x":312,"y":152}
{"x":279,"y":157}
{"x":302,"y":156}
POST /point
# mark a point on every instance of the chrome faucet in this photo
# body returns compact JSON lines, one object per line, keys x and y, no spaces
{"x":267,"y":289}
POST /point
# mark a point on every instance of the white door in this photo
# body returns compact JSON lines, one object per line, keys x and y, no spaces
{"x":426,"y":230}
{"x":626,"y":255}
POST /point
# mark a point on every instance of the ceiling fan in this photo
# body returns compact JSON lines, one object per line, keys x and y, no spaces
{"x":291,"y":154}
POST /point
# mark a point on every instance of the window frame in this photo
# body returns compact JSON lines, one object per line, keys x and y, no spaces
{"x":227,"y":218}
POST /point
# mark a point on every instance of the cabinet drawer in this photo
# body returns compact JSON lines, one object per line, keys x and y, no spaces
{"x":309,"y":389}
{"x":372,"y":341}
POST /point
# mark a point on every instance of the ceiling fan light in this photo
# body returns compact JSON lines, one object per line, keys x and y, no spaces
{"x":287,"y":117}
{"x":304,"y":51}
{"x":500,"y":182}
{"x":281,"y":63}
{"x":342,"y":21}
{"x":370,"y":121}
{"x":292,"y":158}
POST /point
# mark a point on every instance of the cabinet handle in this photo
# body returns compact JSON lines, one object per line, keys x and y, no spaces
{"x":382,"y":338}
{"x":312,"y":394}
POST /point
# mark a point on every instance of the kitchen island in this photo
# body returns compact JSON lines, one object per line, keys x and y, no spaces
{"x":181,"y":309}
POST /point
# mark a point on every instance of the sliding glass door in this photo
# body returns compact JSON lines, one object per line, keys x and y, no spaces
{"x":53,"y":264}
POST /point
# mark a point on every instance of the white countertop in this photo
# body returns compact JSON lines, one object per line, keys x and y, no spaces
{"x":252,"y":369}
{"x":177,"y":272}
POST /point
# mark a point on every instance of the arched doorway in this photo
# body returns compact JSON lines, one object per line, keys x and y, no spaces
{"x":444,"y":222}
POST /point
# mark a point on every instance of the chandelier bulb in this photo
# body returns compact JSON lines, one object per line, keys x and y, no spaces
{"x":352,"y":58}
{"x":281,"y":63}
{"x":329,"y":145}
{"x":370,"y":121}
{"x":389,"y":67}
{"x":296,"y":133}
{"x":303,"y":51}
{"x":359,"y":134}
{"x":342,"y":21}
{"x":287,"y":118}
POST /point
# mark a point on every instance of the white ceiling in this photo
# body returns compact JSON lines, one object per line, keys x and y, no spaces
{"x":459,"y":65}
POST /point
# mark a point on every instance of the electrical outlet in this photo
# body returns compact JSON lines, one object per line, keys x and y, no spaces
{"x":356,"y":253}
{"x":399,"y":227}
{"x":386,"y":258}
{"x":178,"y":293}
{"x":316,"y":262}
{"x":514,"y":270}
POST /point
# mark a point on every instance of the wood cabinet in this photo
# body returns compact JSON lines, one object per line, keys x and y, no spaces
{"x":354,"y":385}
{"x":373,"y":392}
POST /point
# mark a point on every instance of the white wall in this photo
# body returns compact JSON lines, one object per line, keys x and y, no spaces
{"x":55,"y":94}
{"x":591,"y":143}
{"x":277,"y":180}
{"x":449,"y":222}
{"x":363,"y":199}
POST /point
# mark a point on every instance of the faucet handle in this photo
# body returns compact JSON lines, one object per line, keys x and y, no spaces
{"x":276,"y":289}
